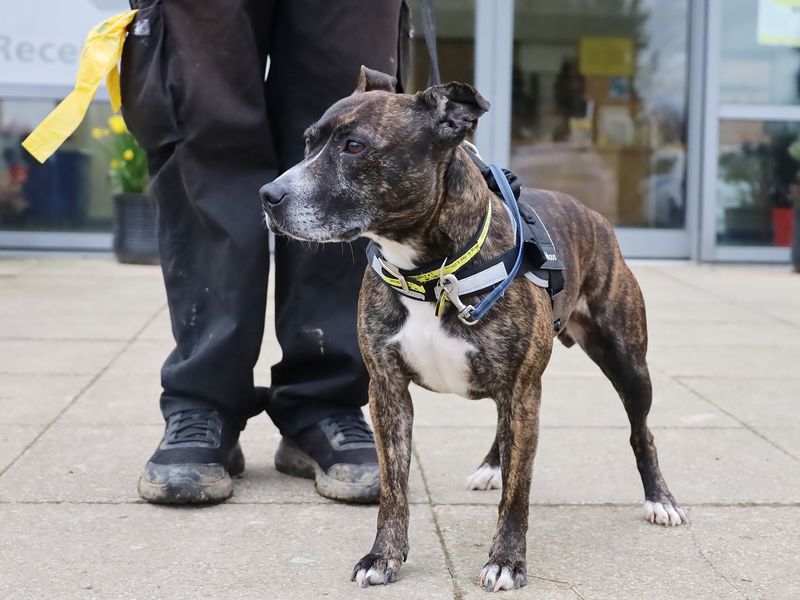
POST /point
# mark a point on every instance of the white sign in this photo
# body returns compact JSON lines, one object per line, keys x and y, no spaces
{"x":779,"y":22}
{"x":41,"y":40}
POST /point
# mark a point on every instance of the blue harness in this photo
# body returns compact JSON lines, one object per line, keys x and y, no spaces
{"x":533,"y":256}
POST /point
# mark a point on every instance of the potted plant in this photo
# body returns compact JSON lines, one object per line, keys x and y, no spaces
{"x":794,"y":151}
{"x":134,"y":230}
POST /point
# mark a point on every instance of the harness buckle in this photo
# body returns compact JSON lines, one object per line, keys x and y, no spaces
{"x":448,"y":285}
{"x":396,"y":273}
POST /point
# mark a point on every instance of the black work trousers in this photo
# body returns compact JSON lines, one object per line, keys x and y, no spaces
{"x":195,"y":96}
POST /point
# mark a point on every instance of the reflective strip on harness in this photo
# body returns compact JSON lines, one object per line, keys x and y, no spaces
{"x":483,"y":279}
{"x":413,"y":283}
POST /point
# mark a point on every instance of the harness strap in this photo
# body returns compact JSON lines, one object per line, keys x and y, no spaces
{"x":533,"y":256}
{"x":489,"y":301}
{"x":421,"y":283}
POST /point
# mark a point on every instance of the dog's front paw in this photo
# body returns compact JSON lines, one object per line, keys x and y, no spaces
{"x":486,"y":477}
{"x":374,"y":569}
{"x":667,"y":512}
{"x":503,"y":575}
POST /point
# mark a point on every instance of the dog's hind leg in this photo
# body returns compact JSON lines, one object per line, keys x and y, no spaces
{"x":611,"y":328}
{"x":487,"y":476}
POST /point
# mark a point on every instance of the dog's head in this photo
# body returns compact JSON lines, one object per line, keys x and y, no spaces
{"x":374,"y":162}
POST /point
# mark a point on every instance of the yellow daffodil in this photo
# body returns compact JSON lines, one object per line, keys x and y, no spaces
{"x":115,"y":164}
{"x":97,"y":133}
{"x":117,"y":124}
{"x":128,"y":154}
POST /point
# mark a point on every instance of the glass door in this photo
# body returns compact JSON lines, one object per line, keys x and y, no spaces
{"x":752,"y":142}
{"x":600,"y":109}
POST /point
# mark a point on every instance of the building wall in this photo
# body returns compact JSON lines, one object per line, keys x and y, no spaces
{"x":604,"y":102}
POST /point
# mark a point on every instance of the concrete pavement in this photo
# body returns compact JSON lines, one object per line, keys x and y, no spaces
{"x":81,"y":342}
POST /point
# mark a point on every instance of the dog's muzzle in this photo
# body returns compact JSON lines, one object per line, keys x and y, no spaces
{"x":273,"y":194}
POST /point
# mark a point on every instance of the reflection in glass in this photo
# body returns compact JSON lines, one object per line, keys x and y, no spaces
{"x":70,"y":192}
{"x":757,"y":183}
{"x":455,"y":40}
{"x":753,"y":70}
{"x":599,"y":105}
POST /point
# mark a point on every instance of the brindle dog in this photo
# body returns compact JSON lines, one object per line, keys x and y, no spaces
{"x":390,"y":167}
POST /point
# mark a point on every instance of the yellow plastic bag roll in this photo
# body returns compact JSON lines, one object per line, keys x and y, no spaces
{"x":99,"y":59}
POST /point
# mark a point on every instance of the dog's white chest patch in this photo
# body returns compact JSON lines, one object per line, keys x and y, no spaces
{"x":438,"y":358}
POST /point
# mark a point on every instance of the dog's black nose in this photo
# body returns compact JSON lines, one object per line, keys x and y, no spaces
{"x":273,"y":194}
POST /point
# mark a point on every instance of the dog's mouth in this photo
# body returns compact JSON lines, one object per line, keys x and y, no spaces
{"x":349,"y":235}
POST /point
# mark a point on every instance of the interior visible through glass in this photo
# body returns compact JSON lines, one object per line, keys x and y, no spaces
{"x":758,"y":64}
{"x":599,"y":105}
{"x":70,"y":192}
{"x":455,"y":24}
{"x":757,"y":182}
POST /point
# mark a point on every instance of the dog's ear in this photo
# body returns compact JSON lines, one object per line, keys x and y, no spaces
{"x":369,"y":80}
{"x":455,"y":107}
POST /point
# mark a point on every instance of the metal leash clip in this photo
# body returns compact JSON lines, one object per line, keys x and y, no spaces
{"x":448,"y":285}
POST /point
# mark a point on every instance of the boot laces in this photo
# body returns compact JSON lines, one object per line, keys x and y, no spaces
{"x":348,"y":431}
{"x":200,"y":426}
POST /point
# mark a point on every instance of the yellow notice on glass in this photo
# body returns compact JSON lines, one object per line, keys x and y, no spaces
{"x":779,"y":22}
{"x":99,"y":59}
{"x":606,"y":56}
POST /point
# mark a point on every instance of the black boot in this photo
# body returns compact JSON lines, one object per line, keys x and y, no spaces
{"x":194,"y":463}
{"x":339,"y":453}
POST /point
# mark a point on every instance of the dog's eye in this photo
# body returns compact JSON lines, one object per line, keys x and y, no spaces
{"x":353,"y":147}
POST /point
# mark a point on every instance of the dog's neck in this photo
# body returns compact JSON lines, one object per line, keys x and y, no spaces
{"x":461,"y":201}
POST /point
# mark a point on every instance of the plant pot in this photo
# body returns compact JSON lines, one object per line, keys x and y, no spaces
{"x":796,"y":240}
{"x":782,"y":221}
{"x":135,"y":240}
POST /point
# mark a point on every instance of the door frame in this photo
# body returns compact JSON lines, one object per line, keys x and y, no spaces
{"x":709,"y":249}
{"x":494,"y":36}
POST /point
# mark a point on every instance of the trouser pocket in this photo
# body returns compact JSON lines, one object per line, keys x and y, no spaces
{"x":150,"y":79}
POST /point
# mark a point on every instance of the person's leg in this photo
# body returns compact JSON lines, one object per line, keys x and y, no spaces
{"x":193,"y":94}
{"x":317,"y":51}
{"x":320,"y":384}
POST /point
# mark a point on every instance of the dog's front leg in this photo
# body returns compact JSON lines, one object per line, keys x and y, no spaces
{"x":517,"y":436}
{"x":392,"y":417}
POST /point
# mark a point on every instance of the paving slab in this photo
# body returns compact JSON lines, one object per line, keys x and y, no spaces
{"x":102,"y":463}
{"x":118,"y":397}
{"x":89,"y":266}
{"x":741,"y":284}
{"x":229,"y":551}
{"x":56,"y":357}
{"x":75,"y":326}
{"x":160,"y":328}
{"x":12,"y":267}
{"x":82,"y":295}
{"x":758,"y":332}
{"x":736,"y":360}
{"x":758,"y":401}
{"x":591,"y":466}
{"x":570,"y":361}
{"x":36,"y":399}
{"x":700,"y":316}
{"x":754,"y":548}
{"x":786,"y":438}
{"x":725,"y":416}
{"x":585,"y":401}
{"x":13,"y":440}
{"x":143,"y":358}
{"x":586,"y":553}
